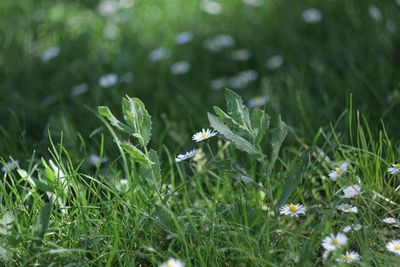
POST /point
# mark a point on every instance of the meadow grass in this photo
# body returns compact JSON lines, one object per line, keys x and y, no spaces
{"x":88,"y":182}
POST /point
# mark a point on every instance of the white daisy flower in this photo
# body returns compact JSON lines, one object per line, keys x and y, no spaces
{"x":253,"y":2}
{"x":211,"y":7}
{"x":333,"y":242}
{"x":292,"y":210}
{"x":203,"y":135}
{"x":108,"y":80}
{"x":394,"y":246}
{"x":171,"y":262}
{"x":311,"y":15}
{"x":389,"y":220}
{"x":10,"y":166}
{"x":347,"y":208}
{"x":395,"y":168}
{"x":275,"y":62}
{"x":349,"y":257}
{"x":375,"y":13}
{"x":50,"y":53}
{"x":111,"y":31}
{"x":338,"y":172}
{"x":186,"y":156}
{"x":180,"y":67}
{"x":159,"y":54}
{"x":218,"y":83}
{"x":183,"y":38}
{"x":351,"y":191}
{"x":257,"y":101}
{"x":241,"y":54}
{"x":107,"y":8}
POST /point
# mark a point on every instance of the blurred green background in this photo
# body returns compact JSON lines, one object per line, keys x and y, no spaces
{"x":59,"y":59}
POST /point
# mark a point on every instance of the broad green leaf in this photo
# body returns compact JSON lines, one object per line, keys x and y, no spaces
{"x":106,"y":113}
{"x":278,"y":135}
{"x":237,"y":109}
{"x":259,"y":123}
{"x":296,"y":173}
{"x":232,"y":123}
{"x":152,"y":174}
{"x":137,"y":155}
{"x":42,"y":223}
{"x":237,"y":140}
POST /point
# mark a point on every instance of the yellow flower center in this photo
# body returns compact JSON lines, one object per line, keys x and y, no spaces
{"x":397,"y":247}
{"x":339,"y":171}
{"x":203,"y":135}
{"x":335,"y":241}
{"x":293,"y":208}
{"x":348,"y":257}
{"x":170,"y":264}
{"x":397,"y":166}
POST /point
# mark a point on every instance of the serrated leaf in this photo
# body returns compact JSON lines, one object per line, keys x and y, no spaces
{"x":232,"y":123}
{"x":106,"y":113}
{"x":237,"y":109}
{"x":152,"y":174}
{"x":278,"y":136}
{"x":295,"y":176}
{"x":137,"y":155}
{"x":260,"y":124}
{"x":237,"y":140}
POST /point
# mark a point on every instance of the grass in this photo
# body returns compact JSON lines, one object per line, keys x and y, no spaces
{"x":333,"y":100}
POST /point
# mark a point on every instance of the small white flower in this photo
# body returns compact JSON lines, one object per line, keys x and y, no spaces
{"x":180,"y":67}
{"x":219,"y":42}
{"x":275,"y":62}
{"x":241,"y":54}
{"x":186,"y":156}
{"x":395,"y":168}
{"x":171,"y":262}
{"x":50,"y":53}
{"x":375,"y":13}
{"x":351,"y":191}
{"x":79,"y":89}
{"x":242,"y":79}
{"x":96,"y":160}
{"x":10,"y":166}
{"x":108,"y":7}
{"x":257,"y":101}
{"x":211,"y":7}
{"x":354,"y":227}
{"x":253,"y":2}
{"x":349,"y":257}
{"x":203,"y":135}
{"x":326,"y":255}
{"x":159,"y":54}
{"x":333,"y":242}
{"x":218,"y":83}
{"x":390,"y":220}
{"x":122,"y":185}
{"x":311,"y":15}
{"x":338,"y":172}
{"x":183,"y":38}
{"x":394,"y":246}
{"x":347,"y":208}
{"x":108,"y":80}
{"x":293,"y":210}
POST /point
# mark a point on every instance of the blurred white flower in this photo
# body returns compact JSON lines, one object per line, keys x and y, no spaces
{"x":183,"y":38}
{"x":293,"y":210}
{"x":122,"y":185}
{"x":211,"y":7}
{"x":111,"y":31}
{"x":257,"y":101}
{"x":79,"y":89}
{"x":50,"y":53}
{"x":352,"y":191}
{"x":394,"y":246}
{"x":180,"y":67}
{"x":275,"y":62}
{"x":349,"y":257}
{"x":311,"y":15}
{"x":333,"y":242}
{"x":242,"y":79}
{"x":10,"y":166}
{"x":159,"y":54}
{"x":347,"y":208}
{"x":108,"y":7}
{"x":338,"y":171}
{"x":395,"y":169}
{"x":96,"y":160}
{"x":108,"y":80}
{"x":253,"y":2}
{"x":375,"y":13}
{"x":391,"y":26}
{"x":171,"y":262}
{"x":218,"y":83}
{"x":186,"y":156}
{"x":203,"y":135}
{"x":218,"y":42}
{"x":240,"y":54}
{"x":391,"y":220}
{"x":354,"y":227}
